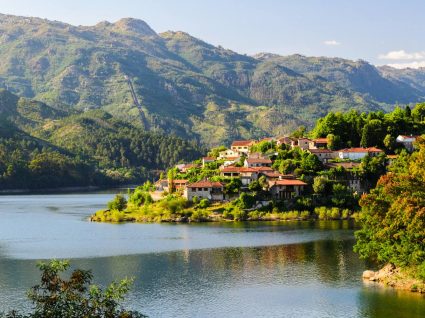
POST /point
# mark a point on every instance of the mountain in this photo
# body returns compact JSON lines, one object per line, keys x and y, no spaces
{"x":174,"y":83}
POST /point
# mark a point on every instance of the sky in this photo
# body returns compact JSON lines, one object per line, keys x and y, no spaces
{"x":379,"y":31}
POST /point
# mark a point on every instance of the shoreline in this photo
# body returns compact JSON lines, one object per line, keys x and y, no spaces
{"x":395,"y":277}
{"x":63,"y":189}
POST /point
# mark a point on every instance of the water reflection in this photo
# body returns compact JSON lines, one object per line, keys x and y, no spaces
{"x":314,"y":279}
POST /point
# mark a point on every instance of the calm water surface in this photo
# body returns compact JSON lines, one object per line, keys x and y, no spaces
{"x":292,"y":269}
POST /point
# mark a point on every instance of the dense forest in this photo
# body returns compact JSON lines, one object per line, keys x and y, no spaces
{"x":41,"y":147}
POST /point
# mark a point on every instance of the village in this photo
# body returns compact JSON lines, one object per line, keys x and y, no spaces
{"x":241,"y":162}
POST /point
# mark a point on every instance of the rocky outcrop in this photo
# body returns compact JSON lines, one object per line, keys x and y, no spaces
{"x":396,"y":277}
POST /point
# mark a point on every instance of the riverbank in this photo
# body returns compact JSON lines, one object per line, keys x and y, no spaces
{"x":162,"y":211}
{"x":390,"y":275}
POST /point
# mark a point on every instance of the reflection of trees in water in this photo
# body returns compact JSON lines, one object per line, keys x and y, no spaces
{"x":323,"y":261}
{"x":385,"y":302}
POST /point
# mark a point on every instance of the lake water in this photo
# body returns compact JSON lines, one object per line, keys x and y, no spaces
{"x":292,"y":269}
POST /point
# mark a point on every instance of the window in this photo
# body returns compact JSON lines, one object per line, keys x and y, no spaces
{"x":205,"y":189}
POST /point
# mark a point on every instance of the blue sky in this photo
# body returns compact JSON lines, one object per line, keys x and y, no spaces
{"x":379,"y":31}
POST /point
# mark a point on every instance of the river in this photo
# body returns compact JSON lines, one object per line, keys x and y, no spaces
{"x":261,"y":269}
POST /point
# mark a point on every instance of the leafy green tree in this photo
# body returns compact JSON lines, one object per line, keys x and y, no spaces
{"x":321,"y":185}
{"x":334,"y":141}
{"x":118,"y":203}
{"x":389,"y":142}
{"x":75,"y":298}
{"x":393,"y":217}
{"x":418,"y":113}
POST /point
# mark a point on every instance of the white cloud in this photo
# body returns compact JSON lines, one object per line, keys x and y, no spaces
{"x":416,"y":64}
{"x":402,"y":55}
{"x":332,"y":42}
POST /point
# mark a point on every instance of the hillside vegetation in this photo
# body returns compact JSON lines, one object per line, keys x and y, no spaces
{"x":184,"y":85}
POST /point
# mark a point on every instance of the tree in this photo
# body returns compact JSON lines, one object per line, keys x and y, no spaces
{"x":418,"y":113}
{"x":320,"y":185}
{"x":389,"y":142}
{"x":75,"y":298}
{"x":118,"y":203}
{"x":393,"y":217}
{"x":334,"y":142}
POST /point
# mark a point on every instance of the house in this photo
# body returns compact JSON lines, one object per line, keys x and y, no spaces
{"x":303,"y":143}
{"x":284,"y":141}
{"x":286,"y":188}
{"x":242,"y":146}
{"x":206,"y":160}
{"x":257,"y":162}
{"x":358,"y":153}
{"x":178,"y":184}
{"x":318,"y":143}
{"x":407,"y":141}
{"x":229,"y":153}
{"x":247,"y":175}
{"x":275,"y":175}
{"x":205,"y":189}
{"x":348,"y":177}
{"x":164,"y":185}
{"x":324,"y":155}
{"x":161,"y":185}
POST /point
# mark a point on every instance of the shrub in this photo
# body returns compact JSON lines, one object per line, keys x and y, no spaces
{"x":118,"y":203}
{"x":204,"y":203}
{"x":199,"y":216}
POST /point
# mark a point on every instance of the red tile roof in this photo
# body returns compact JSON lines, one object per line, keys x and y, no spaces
{"x":242,"y":143}
{"x":259,"y":169}
{"x":208,"y":158}
{"x":237,"y":169}
{"x":361,"y":149}
{"x":320,"y":151}
{"x":180,"y":181}
{"x":321,"y":140}
{"x":287,"y":182}
{"x":205,"y":184}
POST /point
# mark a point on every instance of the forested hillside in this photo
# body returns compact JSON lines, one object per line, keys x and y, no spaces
{"x":40,"y":148}
{"x":184,"y":85}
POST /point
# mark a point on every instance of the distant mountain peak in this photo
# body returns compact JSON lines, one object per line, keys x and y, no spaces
{"x":136,"y":26}
{"x":265,"y":56}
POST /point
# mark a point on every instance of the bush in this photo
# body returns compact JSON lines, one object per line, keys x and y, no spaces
{"x":199,"y":216}
{"x":118,"y":203}
{"x":204,"y":203}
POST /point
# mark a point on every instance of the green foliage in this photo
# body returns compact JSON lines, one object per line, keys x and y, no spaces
{"x":353,"y":129}
{"x":204,"y":203}
{"x":119,"y":203}
{"x":75,"y":298}
{"x":393,"y":216}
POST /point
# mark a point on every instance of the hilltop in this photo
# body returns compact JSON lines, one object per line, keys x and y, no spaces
{"x":184,"y":85}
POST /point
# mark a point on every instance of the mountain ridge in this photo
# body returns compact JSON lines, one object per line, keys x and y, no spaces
{"x":184,"y":85}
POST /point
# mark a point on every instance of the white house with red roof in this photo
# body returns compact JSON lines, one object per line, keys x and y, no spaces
{"x":242,"y":146}
{"x":358,"y":153}
{"x":324,"y":155}
{"x":407,"y":141}
{"x":257,"y":162}
{"x":205,"y":189}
